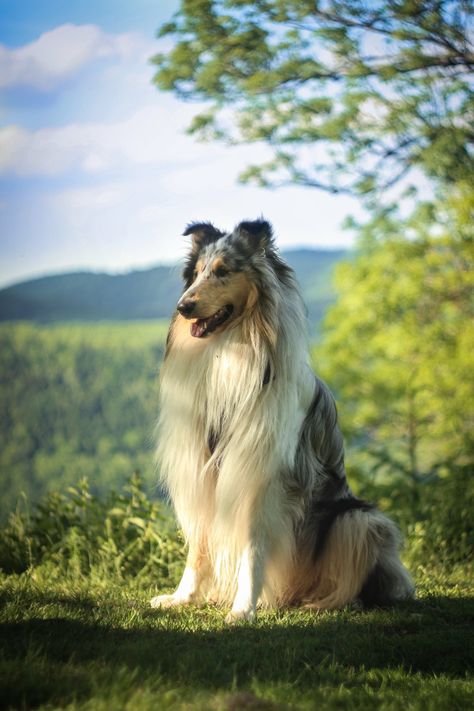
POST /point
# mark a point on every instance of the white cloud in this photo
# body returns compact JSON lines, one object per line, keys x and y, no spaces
{"x":102,"y":196}
{"x":60,"y":54}
{"x":13,"y":141}
{"x":151,"y":136}
{"x":146,"y":137}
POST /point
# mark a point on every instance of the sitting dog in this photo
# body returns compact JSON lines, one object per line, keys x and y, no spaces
{"x":249,"y":446}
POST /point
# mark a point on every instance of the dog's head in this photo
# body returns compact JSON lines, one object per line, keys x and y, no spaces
{"x":224,"y":273}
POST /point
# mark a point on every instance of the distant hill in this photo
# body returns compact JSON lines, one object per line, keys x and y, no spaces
{"x":144,"y":294}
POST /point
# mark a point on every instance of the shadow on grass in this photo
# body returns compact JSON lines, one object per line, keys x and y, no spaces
{"x":66,"y":657}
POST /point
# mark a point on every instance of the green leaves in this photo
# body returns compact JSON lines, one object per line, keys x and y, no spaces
{"x":396,"y":349}
{"x":76,"y":401}
{"x":412,"y":59}
{"x":125,"y":534}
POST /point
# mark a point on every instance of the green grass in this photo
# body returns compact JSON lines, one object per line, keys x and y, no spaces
{"x":77,"y":632}
{"x":80,"y":642}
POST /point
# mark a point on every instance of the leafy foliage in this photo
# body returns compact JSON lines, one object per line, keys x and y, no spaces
{"x":349,"y":96}
{"x":397,"y":349}
{"x":126,"y":535}
{"x":76,"y":401}
{"x":443,"y":527}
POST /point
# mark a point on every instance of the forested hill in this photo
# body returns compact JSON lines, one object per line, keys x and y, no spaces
{"x":143,"y":294}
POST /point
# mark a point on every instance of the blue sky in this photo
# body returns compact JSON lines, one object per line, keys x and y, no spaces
{"x":96,"y":171}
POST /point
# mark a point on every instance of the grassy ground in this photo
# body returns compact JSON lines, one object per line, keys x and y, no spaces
{"x":84,"y":644}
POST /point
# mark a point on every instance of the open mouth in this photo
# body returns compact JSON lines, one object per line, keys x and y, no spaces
{"x":204,"y":326}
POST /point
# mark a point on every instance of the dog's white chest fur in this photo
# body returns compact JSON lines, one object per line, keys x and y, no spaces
{"x":213,"y":383}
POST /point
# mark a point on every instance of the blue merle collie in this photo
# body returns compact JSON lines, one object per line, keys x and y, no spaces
{"x":250,"y":449}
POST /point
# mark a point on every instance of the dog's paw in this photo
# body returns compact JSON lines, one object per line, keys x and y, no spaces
{"x":166,"y":601}
{"x":236,"y":616}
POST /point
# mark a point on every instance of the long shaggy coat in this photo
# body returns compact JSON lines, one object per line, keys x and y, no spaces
{"x":249,"y":447}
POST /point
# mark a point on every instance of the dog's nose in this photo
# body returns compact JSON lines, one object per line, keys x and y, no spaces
{"x":186,"y":308}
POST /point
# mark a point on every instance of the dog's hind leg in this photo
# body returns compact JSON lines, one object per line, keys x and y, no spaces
{"x":195,"y":574}
{"x":359,"y":561}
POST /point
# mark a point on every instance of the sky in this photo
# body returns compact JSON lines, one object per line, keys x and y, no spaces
{"x":96,"y":170}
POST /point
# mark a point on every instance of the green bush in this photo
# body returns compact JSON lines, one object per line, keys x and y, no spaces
{"x":122,"y":536}
{"x":128,"y":536}
{"x":435,"y":514}
{"x":444,"y":531}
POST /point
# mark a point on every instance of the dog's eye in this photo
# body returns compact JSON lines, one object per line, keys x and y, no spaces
{"x":221,"y":272}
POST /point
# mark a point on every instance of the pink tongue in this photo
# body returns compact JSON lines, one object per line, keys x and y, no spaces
{"x":198,"y":328}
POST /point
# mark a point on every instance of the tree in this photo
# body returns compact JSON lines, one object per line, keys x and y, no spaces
{"x":75,"y":401}
{"x":350,"y":96}
{"x":398,"y":344}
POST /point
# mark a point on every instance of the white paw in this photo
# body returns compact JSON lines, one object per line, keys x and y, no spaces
{"x":240,"y":616}
{"x":166,"y":601}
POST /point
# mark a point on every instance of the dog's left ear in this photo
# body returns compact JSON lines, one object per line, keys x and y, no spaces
{"x":258,"y":234}
{"x":202,"y":233}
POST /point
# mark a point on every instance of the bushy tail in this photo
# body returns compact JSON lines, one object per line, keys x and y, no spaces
{"x":389,"y":581}
{"x":359,"y":560}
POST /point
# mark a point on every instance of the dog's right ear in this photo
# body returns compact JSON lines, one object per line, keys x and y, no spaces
{"x":256,"y":234}
{"x":203,"y":233}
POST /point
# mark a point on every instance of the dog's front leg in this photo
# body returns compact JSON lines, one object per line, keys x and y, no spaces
{"x":249,"y":582}
{"x":195,"y":572}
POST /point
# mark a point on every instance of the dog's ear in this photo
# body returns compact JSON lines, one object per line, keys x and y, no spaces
{"x":257,"y":234}
{"x":203,"y":233}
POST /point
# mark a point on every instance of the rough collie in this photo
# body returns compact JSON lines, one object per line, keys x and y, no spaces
{"x":249,"y":447}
